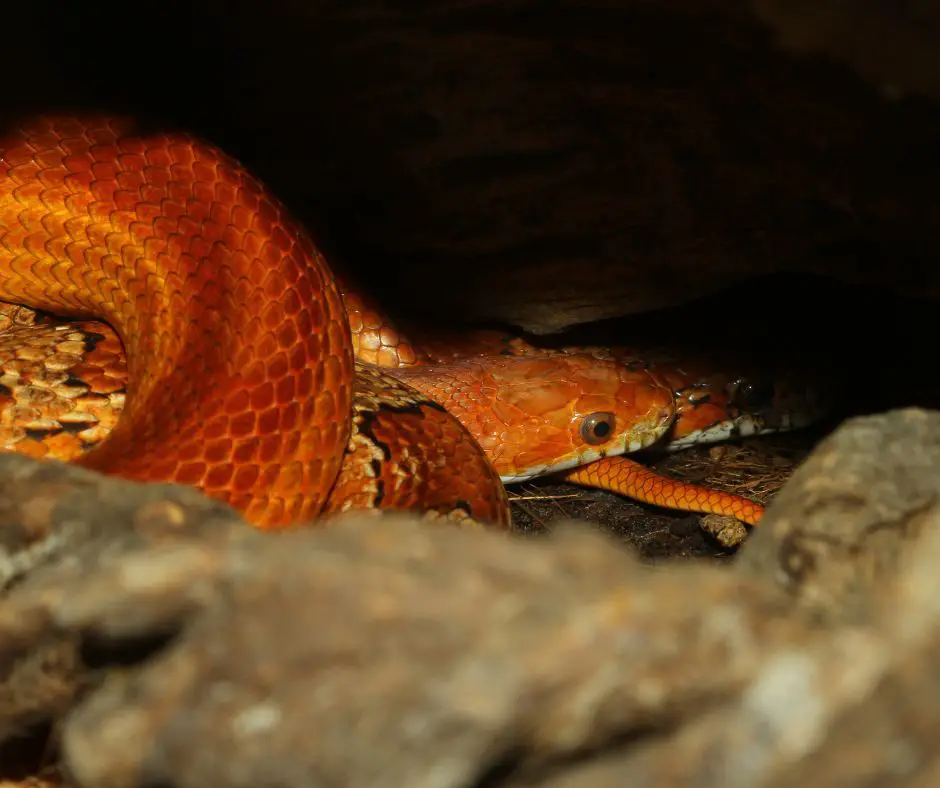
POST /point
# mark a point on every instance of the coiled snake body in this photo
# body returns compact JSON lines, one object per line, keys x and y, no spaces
{"x":255,"y":375}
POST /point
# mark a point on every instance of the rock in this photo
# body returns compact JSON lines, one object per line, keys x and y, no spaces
{"x":790,"y":703}
{"x":887,"y":735}
{"x":59,"y":521}
{"x":406,"y":655}
{"x":395,"y":652}
{"x":833,"y":537}
{"x":858,"y":706}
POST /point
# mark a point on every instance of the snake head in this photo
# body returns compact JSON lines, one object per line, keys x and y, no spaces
{"x":539,"y":415}
{"x":714,"y":405}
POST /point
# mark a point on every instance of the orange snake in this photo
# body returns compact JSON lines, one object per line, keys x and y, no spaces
{"x":255,"y":375}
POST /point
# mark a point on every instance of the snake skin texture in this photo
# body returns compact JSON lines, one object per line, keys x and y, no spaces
{"x":627,"y":477}
{"x":239,"y":353}
{"x":243,"y":366}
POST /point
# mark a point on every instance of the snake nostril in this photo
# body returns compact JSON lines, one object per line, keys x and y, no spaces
{"x":598,"y":428}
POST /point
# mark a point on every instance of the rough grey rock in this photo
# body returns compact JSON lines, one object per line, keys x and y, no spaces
{"x":833,"y":537}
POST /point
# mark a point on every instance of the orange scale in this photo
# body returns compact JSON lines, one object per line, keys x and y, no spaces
{"x":275,"y":510}
{"x":217,"y":451}
{"x":45,"y":138}
{"x":277,"y":366}
{"x":256,"y":272}
{"x":104,"y":170}
{"x":245,"y":452}
{"x":268,"y":213}
{"x":20,"y":156}
{"x":272,"y":317}
{"x":291,"y":303}
{"x":290,"y":475}
{"x":248,"y":200}
{"x":305,"y":383}
{"x":304,"y":292}
{"x":294,"y":508}
{"x":51,"y":159}
{"x":287,"y":337}
{"x":242,"y":290}
{"x":204,"y":171}
{"x":281,"y":239}
{"x":158,"y":158}
{"x":219,"y":476}
{"x":265,"y":345}
{"x":225,"y":188}
{"x":286,"y":391}
{"x":269,"y":473}
{"x":131,"y":146}
{"x":218,"y":426}
{"x":75,"y":203}
{"x":102,"y":137}
{"x":268,"y":420}
{"x":292,"y":442}
{"x":182,"y":156}
{"x":270,"y":256}
{"x":299,"y":354}
{"x":191,"y":473}
{"x":306,"y":320}
{"x":53,"y":183}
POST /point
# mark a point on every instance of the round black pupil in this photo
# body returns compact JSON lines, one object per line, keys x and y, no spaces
{"x":601,"y":429}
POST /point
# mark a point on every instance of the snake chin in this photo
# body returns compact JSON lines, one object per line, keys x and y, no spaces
{"x":627,"y":446}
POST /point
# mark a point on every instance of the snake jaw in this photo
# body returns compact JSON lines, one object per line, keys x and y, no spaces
{"x":527,"y":412}
{"x":642,"y":437}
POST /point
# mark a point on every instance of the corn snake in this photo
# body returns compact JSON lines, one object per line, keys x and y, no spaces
{"x":253,"y":373}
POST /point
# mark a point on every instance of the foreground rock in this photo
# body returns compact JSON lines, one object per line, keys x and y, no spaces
{"x":388,"y":652}
{"x":57,"y":518}
{"x":393,"y":652}
{"x":835,"y":535}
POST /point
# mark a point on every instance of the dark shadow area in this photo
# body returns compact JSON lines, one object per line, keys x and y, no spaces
{"x":27,"y":755}
{"x":529,"y":163}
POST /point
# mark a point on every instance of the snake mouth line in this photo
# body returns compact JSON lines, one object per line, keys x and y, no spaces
{"x":583,"y":458}
{"x":745,"y":426}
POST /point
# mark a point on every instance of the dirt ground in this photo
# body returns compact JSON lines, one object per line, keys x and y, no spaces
{"x":755,"y":468}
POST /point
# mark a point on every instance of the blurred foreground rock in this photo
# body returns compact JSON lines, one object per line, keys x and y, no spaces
{"x":57,"y":518}
{"x":839,"y":529}
{"x":393,"y":652}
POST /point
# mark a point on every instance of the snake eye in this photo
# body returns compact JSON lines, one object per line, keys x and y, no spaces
{"x":753,"y":393}
{"x":597,"y":428}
